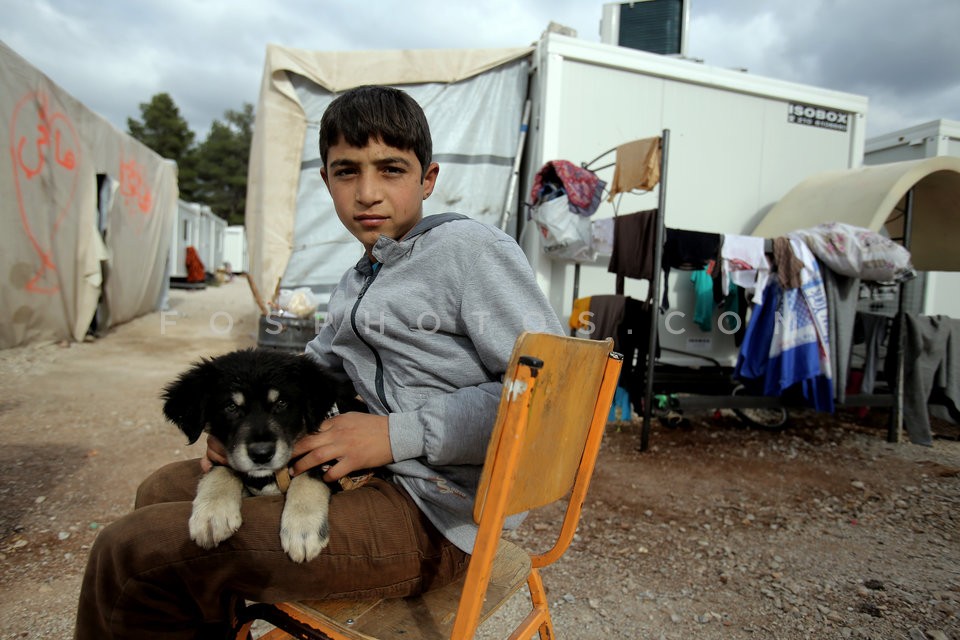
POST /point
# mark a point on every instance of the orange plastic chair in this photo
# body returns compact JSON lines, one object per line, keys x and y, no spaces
{"x":556,"y":398}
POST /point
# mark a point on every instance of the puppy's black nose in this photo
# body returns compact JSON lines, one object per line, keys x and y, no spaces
{"x":261,"y":452}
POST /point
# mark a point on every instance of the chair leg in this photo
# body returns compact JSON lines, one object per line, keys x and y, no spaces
{"x":239,"y":629}
{"x":538,"y":596}
{"x":277,"y":616}
{"x":242,"y":633}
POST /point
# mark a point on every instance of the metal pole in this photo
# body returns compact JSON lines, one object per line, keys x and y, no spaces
{"x":576,"y":289}
{"x":895,"y":428}
{"x":517,"y":159}
{"x":655,"y":291}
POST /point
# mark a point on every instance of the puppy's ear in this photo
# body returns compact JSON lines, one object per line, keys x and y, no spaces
{"x":319,"y":389}
{"x":186,"y":399}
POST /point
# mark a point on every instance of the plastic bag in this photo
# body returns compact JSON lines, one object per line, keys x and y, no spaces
{"x":858,"y":252}
{"x":301,"y":302}
{"x":563,"y":235}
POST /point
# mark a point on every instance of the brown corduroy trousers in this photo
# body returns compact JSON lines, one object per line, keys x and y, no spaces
{"x":146,"y":579}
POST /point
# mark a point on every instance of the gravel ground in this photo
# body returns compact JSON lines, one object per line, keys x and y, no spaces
{"x":825,"y":531}
{"x":718,"y":531}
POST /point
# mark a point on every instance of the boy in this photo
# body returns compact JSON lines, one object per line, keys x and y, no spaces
{"x":423,"y":326}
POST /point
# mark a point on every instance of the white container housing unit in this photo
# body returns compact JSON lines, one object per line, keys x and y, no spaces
{"x":738,"y":143}
{"x":927,"y":140}
{"x":235,"y":248}
{"x":198,"y":227}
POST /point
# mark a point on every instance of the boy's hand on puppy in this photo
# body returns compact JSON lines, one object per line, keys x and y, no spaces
{"x":347,"y":442}
{"x":215,"y":454}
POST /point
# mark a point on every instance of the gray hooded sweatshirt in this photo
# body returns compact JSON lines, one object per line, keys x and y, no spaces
{"x":425,"y":336}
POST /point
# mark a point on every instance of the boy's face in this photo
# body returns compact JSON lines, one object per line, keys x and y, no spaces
{"x":377,"y":189}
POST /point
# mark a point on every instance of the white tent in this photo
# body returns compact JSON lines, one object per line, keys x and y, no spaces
{"x":76,"y":192}
{"x":473,"y":99}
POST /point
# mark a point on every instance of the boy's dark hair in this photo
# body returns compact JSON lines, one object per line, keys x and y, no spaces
{"x":376,"y":112}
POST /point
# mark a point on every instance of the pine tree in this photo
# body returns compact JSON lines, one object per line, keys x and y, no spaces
{"x":221,"y":164}
{"x":214,"y":172}
{"x":163,"y":129}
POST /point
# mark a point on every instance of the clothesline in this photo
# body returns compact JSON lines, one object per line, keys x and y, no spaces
{"x":834,"y":264}
{"x":798,"y":351}
{"x":799,"y":337}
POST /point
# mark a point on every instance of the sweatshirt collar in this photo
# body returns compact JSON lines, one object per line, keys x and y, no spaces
{"x":387,"y":250}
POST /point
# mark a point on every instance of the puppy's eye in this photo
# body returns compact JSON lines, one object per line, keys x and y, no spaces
{"x":231,"y":408}
{"x":279,"y":406}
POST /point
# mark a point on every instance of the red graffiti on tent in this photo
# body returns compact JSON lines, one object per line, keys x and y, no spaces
{"x":133,"y":188}
{"x":44,"y":147}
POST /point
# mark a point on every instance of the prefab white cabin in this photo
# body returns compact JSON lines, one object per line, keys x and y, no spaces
{"x":213,"y":228}
{"x":235,"y":248}
{"x":926,"y":140}
{"x":738,"y":143}
{"x":198,"y":227}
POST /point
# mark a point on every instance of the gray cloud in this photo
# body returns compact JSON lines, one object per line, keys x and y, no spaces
{"x":903,"y":56}
{"x":209,"y":55}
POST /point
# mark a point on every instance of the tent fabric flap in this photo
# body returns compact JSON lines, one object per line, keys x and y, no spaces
{"x":338,"y":71}
{"x":473,"y":100}
{"x":873,"y":197}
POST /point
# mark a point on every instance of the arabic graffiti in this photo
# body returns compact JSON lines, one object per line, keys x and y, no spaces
{"x":133,"y":188}
{"x":45,"y":150}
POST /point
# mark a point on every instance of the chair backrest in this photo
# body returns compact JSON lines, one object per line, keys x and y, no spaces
{"x":564,"y":398}
{"x":557,"y":393}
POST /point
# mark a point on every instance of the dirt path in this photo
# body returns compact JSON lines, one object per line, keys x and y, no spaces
{"x":824,"y":531}
{"x":80,"y":426}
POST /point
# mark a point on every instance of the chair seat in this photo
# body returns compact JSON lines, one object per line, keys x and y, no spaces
{"x":426,"y":617}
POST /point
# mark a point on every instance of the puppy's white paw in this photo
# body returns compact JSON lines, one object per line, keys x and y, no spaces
{"x":303,"y":536}
{"x":304,"y":527}
{"x":216,"y":509}
{"x":212,"y":523}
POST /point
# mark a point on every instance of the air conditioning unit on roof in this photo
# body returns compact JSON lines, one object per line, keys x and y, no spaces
{"x":657,"y":26}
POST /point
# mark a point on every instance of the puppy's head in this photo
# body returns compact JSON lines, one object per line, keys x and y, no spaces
{"x":257,"y":402}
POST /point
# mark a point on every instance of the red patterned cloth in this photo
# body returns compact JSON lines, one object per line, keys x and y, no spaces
{"x":195,"y":270}
{"x":582,"y":186}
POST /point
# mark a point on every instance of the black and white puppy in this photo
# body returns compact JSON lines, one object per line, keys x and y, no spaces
{"x":257,"y":402}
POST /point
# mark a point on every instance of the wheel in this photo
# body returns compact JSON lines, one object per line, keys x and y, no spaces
{"x":769,"y":419}
{"x":673,"y":420}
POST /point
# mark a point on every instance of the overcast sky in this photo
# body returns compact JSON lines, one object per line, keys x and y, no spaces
{"x":208,"y":54}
